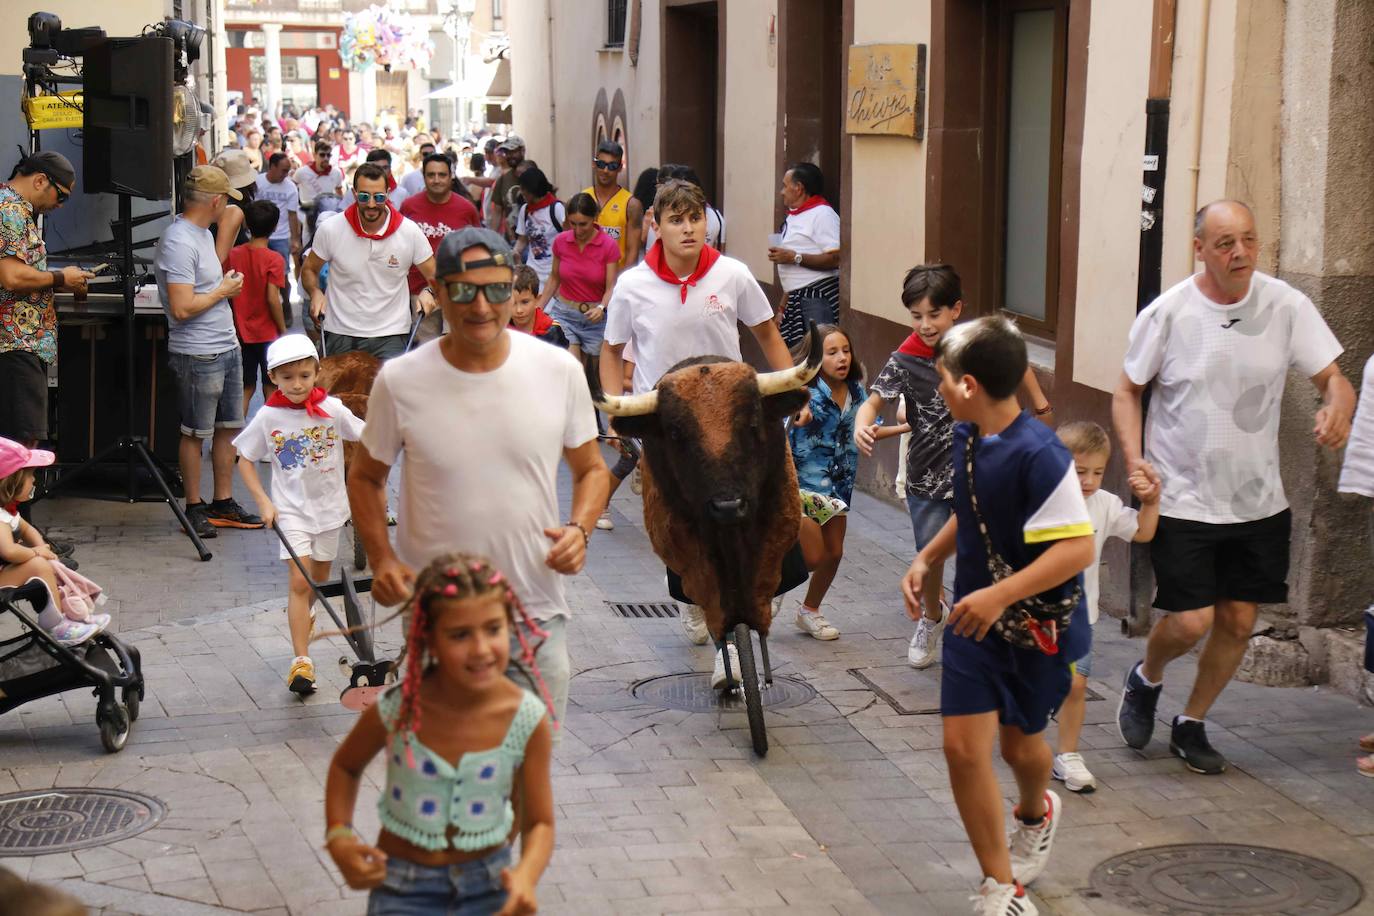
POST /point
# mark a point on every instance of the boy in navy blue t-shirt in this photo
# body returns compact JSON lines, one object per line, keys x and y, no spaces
{"x":1031,"y":503}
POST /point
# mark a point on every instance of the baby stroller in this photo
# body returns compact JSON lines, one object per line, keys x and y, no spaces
{"x":34,"y":665}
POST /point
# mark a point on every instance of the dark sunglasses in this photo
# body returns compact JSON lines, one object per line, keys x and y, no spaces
{"x":61,"y":194}
{"x":606,"y":166}
{"x":463,"y":293}
{"x":370,"y":197}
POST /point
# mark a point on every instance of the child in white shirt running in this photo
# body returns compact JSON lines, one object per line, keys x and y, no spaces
{"x":301,"y":427}
{"x":1091,"y":450}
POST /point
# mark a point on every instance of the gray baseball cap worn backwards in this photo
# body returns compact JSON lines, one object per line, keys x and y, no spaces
{"x":449,"y":258}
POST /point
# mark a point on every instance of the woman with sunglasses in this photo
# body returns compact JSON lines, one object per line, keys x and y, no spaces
{"x":613,"y":201}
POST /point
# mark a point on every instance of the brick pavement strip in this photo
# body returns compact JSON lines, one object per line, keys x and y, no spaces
{"x":659,"y":811}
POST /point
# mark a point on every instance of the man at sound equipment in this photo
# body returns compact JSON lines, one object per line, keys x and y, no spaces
{"x":39,"y":184}
{"x":203,"y":349}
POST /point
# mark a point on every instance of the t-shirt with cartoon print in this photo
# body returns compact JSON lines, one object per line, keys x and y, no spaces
{"x":929,"y":471}
{"x":307,"y":462}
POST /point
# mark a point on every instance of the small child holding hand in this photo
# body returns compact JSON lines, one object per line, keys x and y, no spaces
{"x":301,"y":427}
{"x":1111,"y":517}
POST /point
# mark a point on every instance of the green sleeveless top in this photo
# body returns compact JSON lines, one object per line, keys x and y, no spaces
{"x":420,"y":804}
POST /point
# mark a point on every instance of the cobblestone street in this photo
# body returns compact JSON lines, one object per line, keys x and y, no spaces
{"x":659,"y":810}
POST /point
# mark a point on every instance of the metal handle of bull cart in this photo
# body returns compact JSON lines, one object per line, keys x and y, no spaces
{"x":359,"y":641}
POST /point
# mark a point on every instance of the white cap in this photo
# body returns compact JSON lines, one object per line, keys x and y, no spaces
{"x":288,"y":349}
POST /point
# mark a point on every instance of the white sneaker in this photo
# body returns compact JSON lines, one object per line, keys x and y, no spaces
{"x":816,"y":625}
{"x":694,"y":624}
{"x":1030,"y":846}
{"x":604,"y":523}
{"x":718,"y":673}
{"x":995,"y":899}
{"x":74,"y":632}
{"x":924,"y":650}
{"x":1071,"y":771}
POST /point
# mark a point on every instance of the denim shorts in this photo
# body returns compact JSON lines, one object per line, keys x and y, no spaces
{"x":470,"y":889}
{"x":1084,"y":665}
{"x":928,"y":516}
{"x":554,"y":667}
{"x":388,"y":346}
{"x":585,"y":335}
{"x":209,"y":391}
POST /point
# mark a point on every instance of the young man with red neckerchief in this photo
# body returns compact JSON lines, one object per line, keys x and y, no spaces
{"x":685,"y":299}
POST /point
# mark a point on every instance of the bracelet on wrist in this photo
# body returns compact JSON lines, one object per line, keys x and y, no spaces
{"x":340,"y":832}
{"x":586,"y":535}
{"x":1042,"y":411}
{"x":57,"y":279}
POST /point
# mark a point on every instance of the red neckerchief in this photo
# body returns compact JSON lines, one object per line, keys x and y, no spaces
{"x":542,"y":322}
{"x":390,"y":182}
{"x":545,"y":201}
{"x":815,"y":200}
{"x":915,"y":346}
{"x":311,"y":404}
{"x":354,"y":220}
{"x":705,"y":261}
{"x":321,"y":172}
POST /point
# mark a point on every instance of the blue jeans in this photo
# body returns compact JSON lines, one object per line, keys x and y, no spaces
{"x":470,"y":889}
{"x":209,"y":391}
{"x":928,"y":516}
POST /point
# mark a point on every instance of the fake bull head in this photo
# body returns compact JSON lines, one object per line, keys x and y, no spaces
{"x":720,"y":493}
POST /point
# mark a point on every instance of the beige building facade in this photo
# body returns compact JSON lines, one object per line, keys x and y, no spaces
{"x":1030,"y":176}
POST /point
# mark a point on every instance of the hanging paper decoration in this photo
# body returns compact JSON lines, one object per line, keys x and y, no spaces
{"x":382,"y":37}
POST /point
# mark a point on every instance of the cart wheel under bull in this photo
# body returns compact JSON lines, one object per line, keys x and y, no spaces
{"x":749,"y":680}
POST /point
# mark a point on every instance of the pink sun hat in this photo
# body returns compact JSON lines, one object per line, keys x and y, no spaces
{"x":15,"y":457}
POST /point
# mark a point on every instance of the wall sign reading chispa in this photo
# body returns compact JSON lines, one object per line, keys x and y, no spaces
{"x":887,"y":90}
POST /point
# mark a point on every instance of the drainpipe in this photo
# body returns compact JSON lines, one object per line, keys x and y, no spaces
{"x":1151,"y":256}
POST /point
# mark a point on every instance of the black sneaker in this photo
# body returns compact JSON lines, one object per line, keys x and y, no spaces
{"x":1189,"y":741}
{"x":1135,"y":714}
{"x":200,"y":522}
{"x":63,"y":549}
{"x":226,"y":513}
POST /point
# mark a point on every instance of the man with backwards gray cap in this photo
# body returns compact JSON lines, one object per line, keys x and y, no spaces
{"x":203,"y":348}
{"x":28,"y":322}
{"x":482,"y":416}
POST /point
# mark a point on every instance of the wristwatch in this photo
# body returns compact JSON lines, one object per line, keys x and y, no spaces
{"x":797,"y":258}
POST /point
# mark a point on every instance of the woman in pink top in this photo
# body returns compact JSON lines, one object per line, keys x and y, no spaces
{"x":580,"y":281}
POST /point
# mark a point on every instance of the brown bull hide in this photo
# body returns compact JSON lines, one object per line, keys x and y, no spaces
{"x":349,"y":377}
{"x":713,"y":439}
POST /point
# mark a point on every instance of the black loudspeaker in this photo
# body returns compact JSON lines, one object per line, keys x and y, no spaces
{"x":127,"y":125}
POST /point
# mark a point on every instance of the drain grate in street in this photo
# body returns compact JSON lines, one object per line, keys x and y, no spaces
{"x":59,"y":820}
{"x":644,"y":610}
{"x":1220,"y":878}
{"x":693,"y":693}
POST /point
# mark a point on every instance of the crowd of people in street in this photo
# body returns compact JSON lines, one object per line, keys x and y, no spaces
{"x":528,"y":302}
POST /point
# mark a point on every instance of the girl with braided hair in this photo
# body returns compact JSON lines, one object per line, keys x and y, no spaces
{"x":467,"y":753}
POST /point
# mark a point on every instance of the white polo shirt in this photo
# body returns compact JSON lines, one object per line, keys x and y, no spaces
{"x":648,"y":315}
{"x":812,"y":231}
{"x":368,"y":293}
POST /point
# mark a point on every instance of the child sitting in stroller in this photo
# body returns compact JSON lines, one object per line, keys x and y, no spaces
{"x":24,"y":556}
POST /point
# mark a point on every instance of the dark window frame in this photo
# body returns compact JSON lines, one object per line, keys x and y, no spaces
{"x":616,"y":13}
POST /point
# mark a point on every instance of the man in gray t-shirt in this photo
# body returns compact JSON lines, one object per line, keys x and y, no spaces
{"x":203,"y":349}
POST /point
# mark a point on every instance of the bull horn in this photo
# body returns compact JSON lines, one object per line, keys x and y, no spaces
{"x":782,"y":380}
{"x":634,"y":405}
{"x":630,"y":405}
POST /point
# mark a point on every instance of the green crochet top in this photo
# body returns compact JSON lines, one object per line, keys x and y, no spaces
{"x":420,"y":804}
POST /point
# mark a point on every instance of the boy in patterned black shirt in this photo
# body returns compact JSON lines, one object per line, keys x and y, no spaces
{"x":934,"y":296}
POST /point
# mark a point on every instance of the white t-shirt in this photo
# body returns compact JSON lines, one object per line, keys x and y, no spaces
{"x":287,"y":196}
{"x":14,"y":522}
{"x":1357,"y":473}
{"x":481,"y":457}
{"x":1111,"y":519}
{"x":307,"y":462}
{"x":647,"y":313}
{"x":812,"y":231}
{"x":1212,"y":430}
{"x":368,"y":293}
{"x":539,"y":233}
{"x":412,"y":182}
{"x":312,"y":184}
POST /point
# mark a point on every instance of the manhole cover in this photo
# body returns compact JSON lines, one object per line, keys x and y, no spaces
{"x":58,"y":820}
{"x":1196,"y":878}
{"x":693,"y":693}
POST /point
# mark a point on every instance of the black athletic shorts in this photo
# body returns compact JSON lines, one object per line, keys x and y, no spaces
{"x":255,"y":365}
{"x":23,"y":396}
{"x":1198,"y":563}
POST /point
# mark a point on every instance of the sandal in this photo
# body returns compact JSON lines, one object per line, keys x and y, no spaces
{"x":1365,"y":765}
{"x":1367,"y":743}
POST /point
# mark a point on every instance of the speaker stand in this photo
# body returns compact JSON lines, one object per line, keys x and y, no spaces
{"x":132,"y":447}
